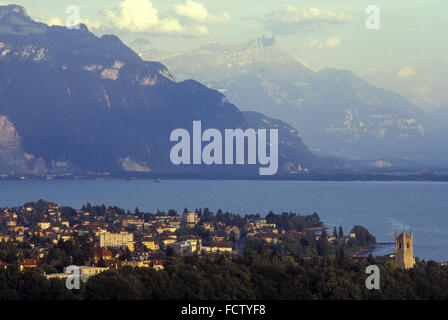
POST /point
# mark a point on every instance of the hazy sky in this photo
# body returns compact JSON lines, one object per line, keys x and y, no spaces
{"x":409,"y":53}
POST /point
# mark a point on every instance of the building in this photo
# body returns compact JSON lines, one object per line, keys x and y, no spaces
{"x":116,"y":240}
{"x":11,"y":223}
{"x":218,"y":247}
{"x":85,"y":272}
{"x":262,"y":223}
{"x":189,"y":246}
{"x":268,"y":237}
{"x":29,"y":263}
{"x":44,"y":225}
{"x":209,"y":227}
{"x":157,"y":265}
{"x":404,"y":252}
{"x":98,"y":253}
{"x":233,"y":229}
{"x":151,"y":244}
{"x":166,"y":229}
{"x":190,"y":219}
{"x":135,"y":264}
{"x":133,"y":223}
{"x":168,"y":241}
{"x":62,"y":276}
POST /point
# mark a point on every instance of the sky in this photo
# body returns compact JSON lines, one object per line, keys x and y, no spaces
{"x":408,"y":53}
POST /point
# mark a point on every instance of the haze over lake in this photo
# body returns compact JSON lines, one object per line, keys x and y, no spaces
{"x":382,"y":207}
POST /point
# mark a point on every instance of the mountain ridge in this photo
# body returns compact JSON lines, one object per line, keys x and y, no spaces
{"x":75,"y":103}
{"x":335,"y":110}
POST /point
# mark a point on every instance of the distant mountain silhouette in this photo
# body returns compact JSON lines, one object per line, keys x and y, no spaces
{"x":336,"y":111}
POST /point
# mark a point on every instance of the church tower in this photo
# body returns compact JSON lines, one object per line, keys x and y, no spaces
{"x":404,"y":252}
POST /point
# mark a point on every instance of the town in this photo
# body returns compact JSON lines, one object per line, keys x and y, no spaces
{"x":96,"y":238}
{"x":198,"y":254}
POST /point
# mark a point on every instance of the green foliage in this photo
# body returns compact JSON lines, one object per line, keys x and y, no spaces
{"x":8,"y":252}
{"x":323,"y":247}
{"x":75,"y":251}
{"x":262,"y":276}
{"x":290,"y":221}
{"x":125,"y":255}
{"x":363,"y":237}
{"x":267,"y":276}
{"x":31,"y":285}
{"x":101,"y":263}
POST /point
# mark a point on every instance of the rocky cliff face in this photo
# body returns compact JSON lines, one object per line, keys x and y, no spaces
{"x":13,"y":159}
{"x":9,"y":139}
{"x":9,"y":146}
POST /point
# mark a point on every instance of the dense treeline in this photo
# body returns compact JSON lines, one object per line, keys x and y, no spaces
{"x":253,"y":275}
{"x":290,"y":221}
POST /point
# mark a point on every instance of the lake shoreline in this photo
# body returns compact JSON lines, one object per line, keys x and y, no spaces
{"x":161,"y":178}
{"x":370,"y":249}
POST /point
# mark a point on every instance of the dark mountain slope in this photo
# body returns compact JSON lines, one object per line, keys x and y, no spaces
{"x":73,"y":102}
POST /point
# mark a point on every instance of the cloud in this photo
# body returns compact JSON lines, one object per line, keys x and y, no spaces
{"x":192,"y":10}
{"x":330,"y":43}
{"x":406,"y":72}
{"x":55,"y":21}
{"x":92,"y":24}
{"x":197,"y":11}
{"x":139,"y":16}
{"x":290,"y":20}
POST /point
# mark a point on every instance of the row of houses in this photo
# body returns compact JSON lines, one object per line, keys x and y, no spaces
{"x":42,"y":225}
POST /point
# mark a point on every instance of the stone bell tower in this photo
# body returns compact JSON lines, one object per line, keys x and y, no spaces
{"x":404,"y":252}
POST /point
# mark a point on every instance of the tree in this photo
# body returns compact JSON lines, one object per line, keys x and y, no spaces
{"x":48,"y":269}
{"x":101,"y":263}
{"x":340,"y":256}
{"x":341,"y":232}
{"x":112,"y":286}
{"x":126,"y":255}
{"x":363,"y":236}
{"x":170,"y":252}
{"x":335,"y":233}
{"x":254,"y":244}
{"x":323,"y":248}
{"x":233,"y":238}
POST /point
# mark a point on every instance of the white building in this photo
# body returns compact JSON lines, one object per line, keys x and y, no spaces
{"x":187,"y":247}
{"x":85,"y":272}
{"x":116,"y":240}
{"x":190,"y":218}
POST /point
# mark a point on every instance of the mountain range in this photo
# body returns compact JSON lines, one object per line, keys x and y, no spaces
{"x":75,"y":103}
{"x":337,"y":112}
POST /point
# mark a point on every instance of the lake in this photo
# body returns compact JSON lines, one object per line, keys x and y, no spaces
{"x":382,"y":207}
